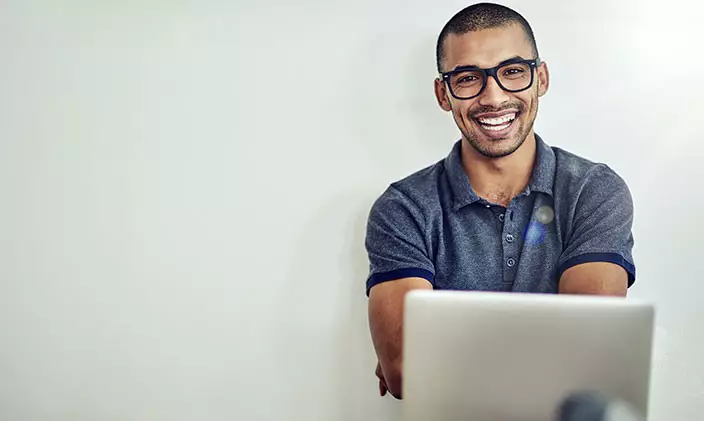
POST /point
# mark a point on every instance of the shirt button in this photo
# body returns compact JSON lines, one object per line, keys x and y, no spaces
{"x":501,"y":217}
{"x":511,"y":262}
{"x":509,"y":238}
{"x":488,"y":206}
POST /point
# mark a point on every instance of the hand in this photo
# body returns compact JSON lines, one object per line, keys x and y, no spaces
{"x":383,"y":388}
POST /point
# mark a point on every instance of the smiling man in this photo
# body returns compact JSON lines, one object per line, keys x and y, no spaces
{"x":503,"y":211}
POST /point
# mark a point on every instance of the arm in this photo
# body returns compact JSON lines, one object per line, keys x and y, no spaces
{"x":386,"y":326}
{"x":595,"y":278}
{"x":398,"y":249}
{"x":597,"y":258}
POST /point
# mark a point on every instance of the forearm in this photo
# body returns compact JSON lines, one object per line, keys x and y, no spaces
{"x":386,"y":326}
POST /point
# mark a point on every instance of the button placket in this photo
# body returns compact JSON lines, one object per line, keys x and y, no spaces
{"x":510,"y":244}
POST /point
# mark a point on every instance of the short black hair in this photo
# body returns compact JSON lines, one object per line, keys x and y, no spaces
{"x":482,"y":16}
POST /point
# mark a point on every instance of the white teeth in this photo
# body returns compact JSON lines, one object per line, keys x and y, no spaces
{"x":496,"y":128}
{"x":498,"y":120}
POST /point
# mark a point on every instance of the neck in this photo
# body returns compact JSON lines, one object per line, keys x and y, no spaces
{"x":499,"y":180}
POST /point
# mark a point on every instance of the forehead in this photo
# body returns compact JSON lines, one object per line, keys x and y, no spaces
{"x":486,"y":47}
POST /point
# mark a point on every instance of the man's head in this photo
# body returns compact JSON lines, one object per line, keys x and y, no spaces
{"x":495,"y":120}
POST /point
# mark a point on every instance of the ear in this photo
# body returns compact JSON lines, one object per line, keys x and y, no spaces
{"x":543,"y":79}
{"x":441,"y":95}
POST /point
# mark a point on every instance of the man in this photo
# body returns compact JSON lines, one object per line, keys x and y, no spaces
{"x":503,"y":211}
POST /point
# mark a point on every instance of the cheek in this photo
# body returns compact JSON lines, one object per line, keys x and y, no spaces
{"x":463,"y":110}
{"x":459,"y":112}
{"x":529,"y":101}
{"x":465,"y":120}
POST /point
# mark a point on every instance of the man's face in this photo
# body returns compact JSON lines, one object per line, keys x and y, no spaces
{"x":497,"y":122}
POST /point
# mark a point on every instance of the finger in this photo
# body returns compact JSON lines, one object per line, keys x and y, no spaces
{"x":382,"y":388}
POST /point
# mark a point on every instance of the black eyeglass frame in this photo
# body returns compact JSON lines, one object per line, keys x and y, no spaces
{"x":486,"y":73}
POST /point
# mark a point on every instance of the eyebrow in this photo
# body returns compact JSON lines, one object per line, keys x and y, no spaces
{"x":474,"y":66}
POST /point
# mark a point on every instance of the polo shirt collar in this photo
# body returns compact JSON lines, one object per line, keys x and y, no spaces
{"x":463,"y":194}
{"x":543,"y":175}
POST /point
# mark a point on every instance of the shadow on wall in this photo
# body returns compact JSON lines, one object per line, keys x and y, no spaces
{"x":395,"y":107}
{"x":433,"y":125}
{"x":326,"y":346}
{"x":325,"y":350}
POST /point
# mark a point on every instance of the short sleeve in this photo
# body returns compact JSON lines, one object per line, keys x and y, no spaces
{"x":601,"y":224}
{"x":395,"y":240}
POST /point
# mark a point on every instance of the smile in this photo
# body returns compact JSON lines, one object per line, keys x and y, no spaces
{"x":495,"y":124}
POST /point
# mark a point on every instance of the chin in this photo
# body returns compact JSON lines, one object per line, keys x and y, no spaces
{"x":496,"y":148}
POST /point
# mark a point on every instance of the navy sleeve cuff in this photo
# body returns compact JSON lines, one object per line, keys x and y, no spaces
{"x":600,"y":257}
{"x":378,"y":278}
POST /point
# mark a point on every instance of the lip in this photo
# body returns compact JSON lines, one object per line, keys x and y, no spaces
{"x":496,"y":114}
{"x":496,"y":134}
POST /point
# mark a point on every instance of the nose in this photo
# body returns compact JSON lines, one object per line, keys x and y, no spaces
{"x":492,"y":95}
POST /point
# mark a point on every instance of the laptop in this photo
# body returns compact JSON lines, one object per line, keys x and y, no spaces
{"x":490,"y":356}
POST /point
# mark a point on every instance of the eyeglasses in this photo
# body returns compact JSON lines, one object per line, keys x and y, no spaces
{"x":512,"y":76}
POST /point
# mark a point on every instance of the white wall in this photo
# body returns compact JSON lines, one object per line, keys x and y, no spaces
{"x":184,"y":189}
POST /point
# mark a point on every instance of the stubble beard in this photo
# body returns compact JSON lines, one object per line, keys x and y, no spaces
{"x":485,"y":149}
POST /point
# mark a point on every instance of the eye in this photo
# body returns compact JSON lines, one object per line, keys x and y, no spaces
{"x":467,"y":79}
{"x":513,"y":71}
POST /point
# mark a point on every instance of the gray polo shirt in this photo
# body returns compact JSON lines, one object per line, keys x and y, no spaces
{"x":433,"y":225}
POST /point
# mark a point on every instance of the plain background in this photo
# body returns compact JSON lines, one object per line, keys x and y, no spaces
{"x":184,"y":188}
